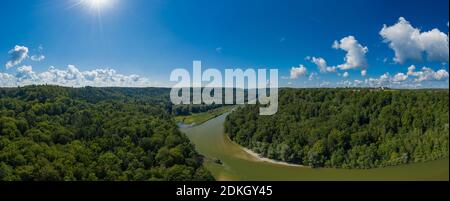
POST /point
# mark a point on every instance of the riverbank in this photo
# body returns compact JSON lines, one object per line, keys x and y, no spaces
{"x":236,"y":164}
{"x":185,"y":122}
{"x":200,"y":118}
{"x":257,"y":157}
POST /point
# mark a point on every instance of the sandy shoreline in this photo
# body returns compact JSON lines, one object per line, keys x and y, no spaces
{"x":257,"y":157}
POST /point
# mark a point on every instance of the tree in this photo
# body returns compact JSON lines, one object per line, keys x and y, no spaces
{"x":347,"y":128}
{"x":50,"y":133}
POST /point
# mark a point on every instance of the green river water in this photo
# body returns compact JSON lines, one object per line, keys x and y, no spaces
{"x":238,"y":165}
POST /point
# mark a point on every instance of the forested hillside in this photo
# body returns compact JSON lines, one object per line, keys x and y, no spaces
{"x":56,"y":133}
{"x":348,"y":128}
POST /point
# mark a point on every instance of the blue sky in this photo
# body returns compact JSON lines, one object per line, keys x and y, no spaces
{"x":145,"y":39}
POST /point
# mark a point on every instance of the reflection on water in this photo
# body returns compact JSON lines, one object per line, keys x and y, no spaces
{"x":228,"y":161}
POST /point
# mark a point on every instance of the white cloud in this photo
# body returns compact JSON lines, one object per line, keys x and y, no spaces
{"x":25,"y":69}
{"x":297,"y":72}
{"x":349,"y":83}
{"x":427,"y":74}
{"x":409,"y":43}
{"x":411,"y":70}
{"x":7,"y":80}
{"x":325,"y":84}
{"x":402,"y":80}
{"x":435,"y":44}
{"x":312,"y":76}
{"x":322,"y":64}
{"x":425,"y":78}
{"x":17,"y":55}
{"x":346,"y":75}
{"x":37,"y":57}
{"x":356,"y":53}
{"x":354,"y":59}
{"x":73,"y":77}
{"x":400,"y":77}
{"x":345,"y":83}
{"x":26,"y":76}
{"x":364,"y":73}
{"x":441,"y":75}
{"x":358,"y":82}
{"x":383,"y":80}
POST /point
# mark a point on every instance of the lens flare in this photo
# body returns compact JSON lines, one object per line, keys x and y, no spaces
{"x":97,"y":4}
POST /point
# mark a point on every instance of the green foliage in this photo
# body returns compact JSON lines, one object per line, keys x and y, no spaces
{"x":200,"y":118}
{"x":347,"y":128}
{"x":52,"y":133}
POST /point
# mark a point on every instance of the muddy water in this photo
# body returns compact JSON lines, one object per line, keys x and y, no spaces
{"x":238,"y":164}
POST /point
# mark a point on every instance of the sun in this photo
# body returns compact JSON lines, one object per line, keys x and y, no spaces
{"x":97,"y":4}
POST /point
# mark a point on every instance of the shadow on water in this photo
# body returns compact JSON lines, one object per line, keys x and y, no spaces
{"x":229,"y":161}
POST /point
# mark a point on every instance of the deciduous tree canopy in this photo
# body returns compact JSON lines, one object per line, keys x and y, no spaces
{"x":56,"y":133}
{"x":347,"y":128}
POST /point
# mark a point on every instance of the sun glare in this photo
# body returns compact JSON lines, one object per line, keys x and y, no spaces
{"x":97,"y":4}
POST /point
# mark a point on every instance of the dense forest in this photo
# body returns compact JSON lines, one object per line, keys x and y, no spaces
{"x":348,"y":128}
{"x":184,"y":110}
{"x":55,"y":133}
{"x":50,"y":133}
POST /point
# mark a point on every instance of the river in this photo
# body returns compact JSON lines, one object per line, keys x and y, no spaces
{"x":239,"y":165}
